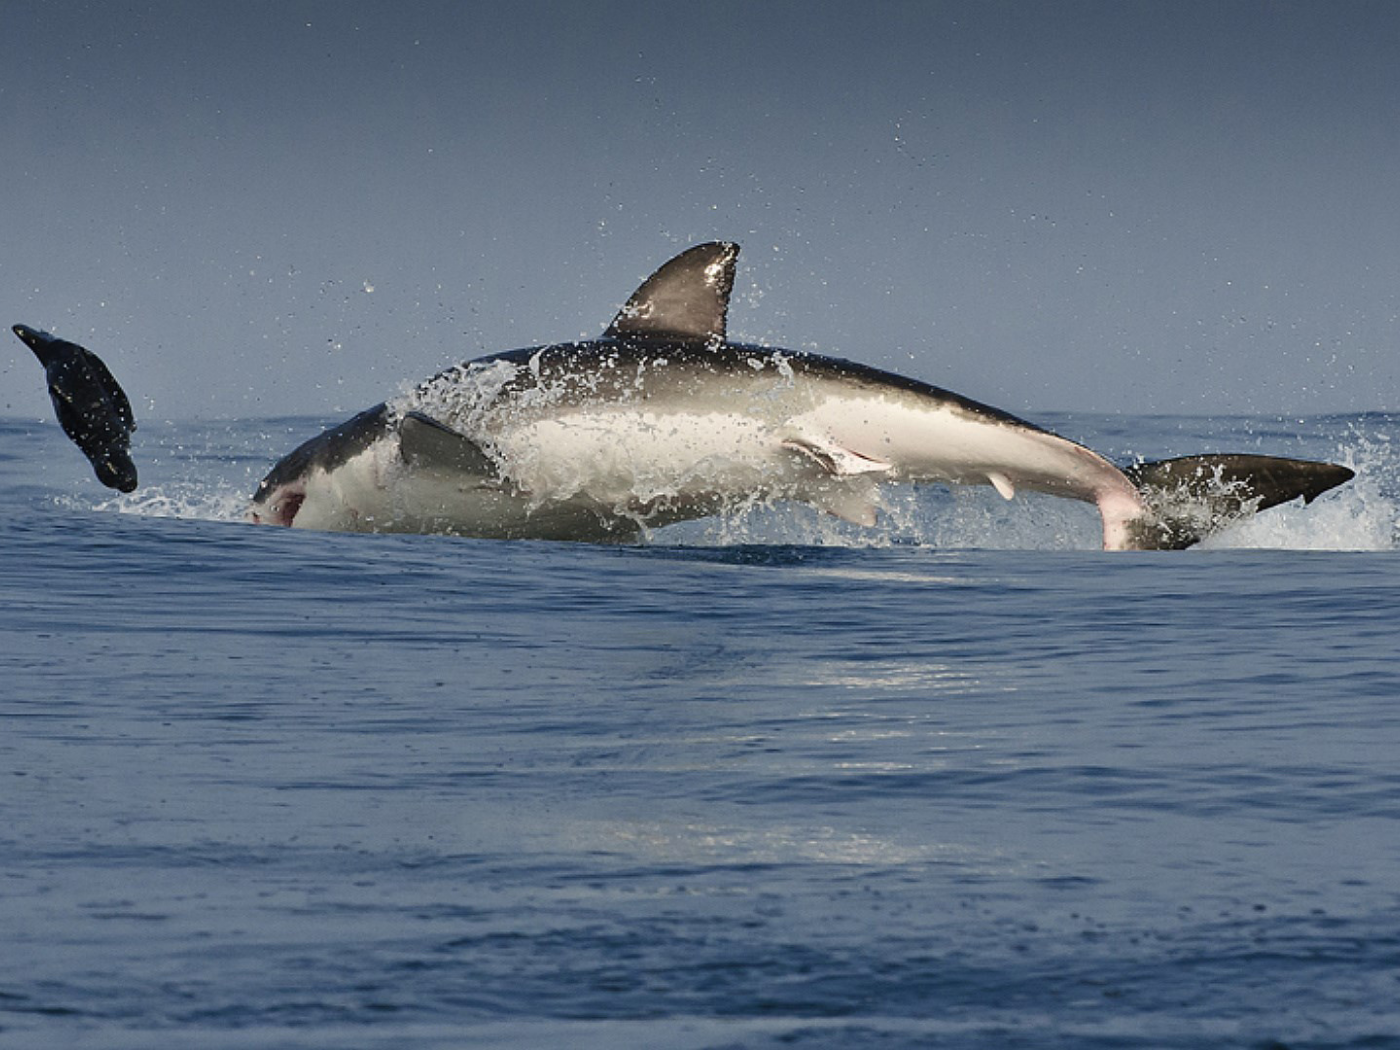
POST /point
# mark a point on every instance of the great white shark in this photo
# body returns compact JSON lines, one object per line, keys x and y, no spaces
{"x":662,"y":419}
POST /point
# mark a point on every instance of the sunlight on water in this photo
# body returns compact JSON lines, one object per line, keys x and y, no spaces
{"x":703,"y":842}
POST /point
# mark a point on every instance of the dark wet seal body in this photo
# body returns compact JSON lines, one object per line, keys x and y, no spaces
{"x":91,"y":406}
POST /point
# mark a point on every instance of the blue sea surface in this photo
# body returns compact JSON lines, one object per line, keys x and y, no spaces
{"x":959,"y":781}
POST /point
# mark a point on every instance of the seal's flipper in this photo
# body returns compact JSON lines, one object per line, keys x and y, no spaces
{"x":687,"y":299}
{"x":1193,"y":497}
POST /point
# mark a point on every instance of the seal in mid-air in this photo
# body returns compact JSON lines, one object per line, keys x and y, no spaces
{"x":662,"y":419}
{"x":91,"y":406}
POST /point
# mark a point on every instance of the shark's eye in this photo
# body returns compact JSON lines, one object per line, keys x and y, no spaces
{"x":285,"y":510}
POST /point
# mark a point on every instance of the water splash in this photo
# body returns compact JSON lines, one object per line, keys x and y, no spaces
{"x":213,"y":480}
{"x":926,"y":516}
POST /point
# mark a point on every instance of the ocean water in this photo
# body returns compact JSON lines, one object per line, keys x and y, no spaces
{"x":959,"y":781}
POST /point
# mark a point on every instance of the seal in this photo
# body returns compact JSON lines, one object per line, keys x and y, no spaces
{"x":91,"y":406}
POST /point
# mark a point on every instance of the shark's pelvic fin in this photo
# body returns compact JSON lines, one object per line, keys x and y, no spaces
{"x":835,"y":459}
{"x":1002,"y":484}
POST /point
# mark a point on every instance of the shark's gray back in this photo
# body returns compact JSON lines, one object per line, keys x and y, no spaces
{"x":563,"y":376}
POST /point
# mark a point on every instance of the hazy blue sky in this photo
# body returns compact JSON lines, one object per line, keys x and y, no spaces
{"x":260,"y":208}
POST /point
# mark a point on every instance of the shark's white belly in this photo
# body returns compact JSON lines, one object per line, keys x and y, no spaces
{"x":631,"y":454}
{"x":926,"y":441}
{"x":600,"y":465}
{"x":620,"y":456}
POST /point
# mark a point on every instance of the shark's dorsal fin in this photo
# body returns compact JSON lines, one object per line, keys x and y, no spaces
{"x":686,"y":299}
{"x":427,"y":444}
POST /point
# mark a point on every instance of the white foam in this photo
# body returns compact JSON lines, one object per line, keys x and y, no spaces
{"x":1357,"y":518}
{"x":1362,"y":515}
{"x":187,"y":500}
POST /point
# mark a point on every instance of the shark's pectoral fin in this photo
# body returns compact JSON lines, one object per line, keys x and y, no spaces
{"x":424,"y":443}
{"x":835,"y":459}
{"x":856,"y":500}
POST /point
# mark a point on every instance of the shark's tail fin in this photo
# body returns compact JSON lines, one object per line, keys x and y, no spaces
{"x":1195,"y":496}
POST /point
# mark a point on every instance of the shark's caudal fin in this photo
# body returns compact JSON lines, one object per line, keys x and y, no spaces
{"x":1196,"y":496}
